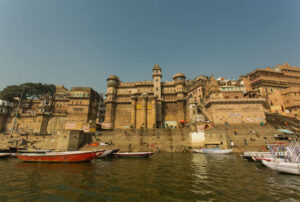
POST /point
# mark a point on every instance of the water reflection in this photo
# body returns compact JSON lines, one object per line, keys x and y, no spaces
{"x":163,"y":177}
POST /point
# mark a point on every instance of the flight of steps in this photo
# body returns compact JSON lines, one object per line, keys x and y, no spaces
{"x":256,"y":136}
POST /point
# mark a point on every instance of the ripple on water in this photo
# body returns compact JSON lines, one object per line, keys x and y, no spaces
{"x":163,"y":177}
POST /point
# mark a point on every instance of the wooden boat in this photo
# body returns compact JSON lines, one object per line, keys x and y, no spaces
{"x":284,"y":167}
{"x":4,"y":155}
{"x":60,"y":157}
{"x":35,"y":151}
{"x":134,"y":154}
{"x":11,"y":150}
{"x":108,"y":153}
{"x":213,"y":151}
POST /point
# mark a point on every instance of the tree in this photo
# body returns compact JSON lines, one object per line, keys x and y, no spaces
{"x":31,"y":90}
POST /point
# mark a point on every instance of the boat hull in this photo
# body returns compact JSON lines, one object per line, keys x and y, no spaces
{"x":134,"y":154}
{"x":284,"y":167}
{"x":4,"y":155}
{"x":60,"y":157}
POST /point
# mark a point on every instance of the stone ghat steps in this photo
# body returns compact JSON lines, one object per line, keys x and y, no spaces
{"x":279,"y":121}
{"x":248,"y":136}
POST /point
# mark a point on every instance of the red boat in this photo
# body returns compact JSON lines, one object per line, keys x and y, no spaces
{"x":60,"y":157}
{"x":134,"y":154}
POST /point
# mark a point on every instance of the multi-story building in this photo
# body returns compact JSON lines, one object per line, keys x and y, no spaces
{"x":145,"y":104}
{"x":231,"y":106}
{"x":285,"y":102}
{"x":74,"y":109}
{"x":196,"y":88}
{"x":268,"y":80}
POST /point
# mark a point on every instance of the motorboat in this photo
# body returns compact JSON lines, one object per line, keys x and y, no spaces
{"x":60,"y":157}
{"x":134,"y":154}
{"x":213,"y":151}
{"x":284,"y":167}
{"x":289,"y":163}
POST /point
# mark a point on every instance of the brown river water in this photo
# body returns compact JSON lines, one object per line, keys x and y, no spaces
{"x":162,"y":177}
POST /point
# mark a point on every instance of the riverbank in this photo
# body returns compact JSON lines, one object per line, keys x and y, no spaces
{"x":246,"y":137}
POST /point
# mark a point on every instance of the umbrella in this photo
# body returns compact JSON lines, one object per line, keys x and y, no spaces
{"x":285,"y":131}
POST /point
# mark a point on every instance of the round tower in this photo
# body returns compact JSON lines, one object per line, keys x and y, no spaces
{"x":156,"y":76}
{"x":112,"y":84}
{"x":179,"y":80}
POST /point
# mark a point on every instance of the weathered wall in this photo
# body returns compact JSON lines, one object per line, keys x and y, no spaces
{"x":123,"y":115}
{"x":56,"y":124}
{"x":173,"y":111}
{"x":70,"y":140}
{"x":237,"y":113}
{"x":3,"y":121}
{"x":172,"y":140}
{"x":29,"y":124}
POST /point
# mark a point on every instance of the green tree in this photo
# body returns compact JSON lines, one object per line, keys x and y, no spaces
{"x":31,"y":90}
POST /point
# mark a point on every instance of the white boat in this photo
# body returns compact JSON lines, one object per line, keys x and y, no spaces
{"x":284,"y":167}
{"x":213,"y":151}
{"x":290,"y":163}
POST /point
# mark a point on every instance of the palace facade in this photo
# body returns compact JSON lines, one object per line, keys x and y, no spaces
{"x":145,"y":104}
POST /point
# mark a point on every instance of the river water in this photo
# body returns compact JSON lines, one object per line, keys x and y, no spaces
{"x":162,"y":177}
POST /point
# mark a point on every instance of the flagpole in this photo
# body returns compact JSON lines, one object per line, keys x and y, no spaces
{"x":13,"y":128}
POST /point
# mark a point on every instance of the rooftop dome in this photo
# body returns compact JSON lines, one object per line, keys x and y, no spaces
{"x":113,"y":77}
{"x":178,"y":75}
{"x":156,"y":66}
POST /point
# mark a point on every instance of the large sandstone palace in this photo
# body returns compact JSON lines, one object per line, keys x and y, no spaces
{"x":145,"y":104}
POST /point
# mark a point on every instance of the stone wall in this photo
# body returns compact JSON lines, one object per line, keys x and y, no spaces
{"x":171,"y":140}
{"x":55,"y":124}
{"x":3,"y":121}
{"x":28,"y":124}
{"x":123,"y":118}
{"x":70,"y":140}
{"x":174,"y":111}
{"x":237,"y":113}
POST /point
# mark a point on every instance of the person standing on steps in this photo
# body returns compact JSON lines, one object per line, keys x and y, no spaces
{"x":245,"y":141}
{"x":231,"y":143}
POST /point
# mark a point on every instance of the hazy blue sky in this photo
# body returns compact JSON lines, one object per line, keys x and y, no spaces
{"x":81,"y":43}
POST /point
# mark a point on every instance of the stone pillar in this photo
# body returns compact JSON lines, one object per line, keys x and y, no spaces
{"x":133,"y":112}
{"x":154,"y":111}
{"x":144,"y":107}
